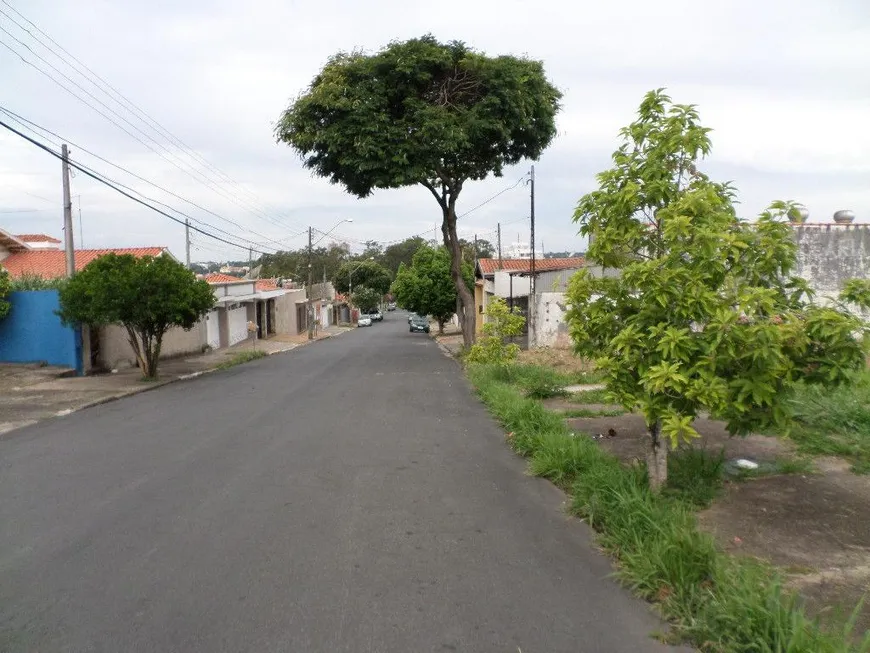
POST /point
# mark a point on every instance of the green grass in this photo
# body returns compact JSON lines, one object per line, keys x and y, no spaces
{"x":835,"y":422}
{"x":717,"y":602}
{"x":588,"y":412}
{"x":242,"y":357}
{"x":599,"y":396}
{"x":695,"y":475}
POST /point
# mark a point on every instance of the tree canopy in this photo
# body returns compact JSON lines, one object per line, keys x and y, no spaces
{"x":293,"y":264}
{"x":366,"y":299}
{"x":5,"y":289}
{"x":426,"y":287}
{"x":403,"y":252}
{"x":146,"y":295}
{"x":421,"y":112}
{"x":362,"y":273}
{"x":705,"y":315}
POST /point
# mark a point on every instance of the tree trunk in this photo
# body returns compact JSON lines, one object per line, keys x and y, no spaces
{"x":657,"y":458}
{"x":441,"y":327}
{"x":133,"y":339}
{"x":451,"y":242}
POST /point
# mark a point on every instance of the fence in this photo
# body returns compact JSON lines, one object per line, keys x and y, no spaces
{"x":33,"y":333}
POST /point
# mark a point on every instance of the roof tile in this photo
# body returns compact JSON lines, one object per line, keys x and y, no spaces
{"x":490,"y":266}
{"x":36,"y":238}
{"x":51,"y":263}
{"x":217,"y":277}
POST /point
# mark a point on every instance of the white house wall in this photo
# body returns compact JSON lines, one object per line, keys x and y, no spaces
{"x":237,"y":320}
{"x":213,"y":329}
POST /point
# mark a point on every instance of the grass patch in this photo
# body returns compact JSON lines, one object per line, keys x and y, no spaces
{"x":598,"y":396}
{"x":695,"y":475}
{"x":241,"y":357}
{"x":589,"y":412}
{"x":713,"y":600}
{"x":835,"y":422}
{"x":800,"y":465}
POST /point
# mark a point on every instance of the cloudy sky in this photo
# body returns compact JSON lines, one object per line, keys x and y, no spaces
{"x":784,"y":85}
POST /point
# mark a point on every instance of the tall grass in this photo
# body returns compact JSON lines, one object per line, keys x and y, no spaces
{"x":717,"y":602}
{"x":835,"y":422}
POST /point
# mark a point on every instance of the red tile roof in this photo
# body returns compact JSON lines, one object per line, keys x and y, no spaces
{"x":217,"y":277}
{"x":267,"y":284}
{"x":51,"y":263}
{"x":36,"y":238}
{"x":489,"y":266}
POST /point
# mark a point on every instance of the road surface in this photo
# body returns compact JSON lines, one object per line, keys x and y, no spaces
{"x":351,"y":495}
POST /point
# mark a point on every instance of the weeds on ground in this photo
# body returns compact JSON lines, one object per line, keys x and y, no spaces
{"x":835,"y":422}
{"x":695,"y":475}
{"x":718,"y":602}
{"x":589,"y":412}
{"x":599,"y":396}
{"x":241,"y":357}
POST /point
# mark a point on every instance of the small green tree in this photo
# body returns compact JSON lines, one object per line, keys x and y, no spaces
{"x":500,"y":326}
{"x":5,"y":289}
{"x":366,"y":299}
{"x":705,"y":314}
{"x":426,"y":287}
{"x":362,"y":273}
{"x":146,"y":295}
{"x":421,"y":112}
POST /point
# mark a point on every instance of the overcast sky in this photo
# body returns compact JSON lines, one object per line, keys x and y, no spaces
{"x":784,"y":85}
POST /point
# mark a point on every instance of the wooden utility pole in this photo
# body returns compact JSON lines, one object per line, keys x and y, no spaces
{"x":310,"y":289}
{"x":499,"y":245}
{"x":67,"y":215}
{"x":532,"y":299}
{"x":187,"y":243}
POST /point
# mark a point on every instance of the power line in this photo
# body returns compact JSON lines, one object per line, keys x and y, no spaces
{"x":193,"y":173}
{"x":111,"y":185}
{"x":132,"y":107}
{"x":34,"y":127}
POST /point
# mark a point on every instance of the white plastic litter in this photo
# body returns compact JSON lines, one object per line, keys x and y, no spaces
{"x":742,"y":463}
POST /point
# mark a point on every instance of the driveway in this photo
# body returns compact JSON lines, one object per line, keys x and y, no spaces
{"x":350,"y":496}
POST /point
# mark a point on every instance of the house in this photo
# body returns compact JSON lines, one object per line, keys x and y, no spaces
{"x":37,"y":328}
{"x":273,"y":309}
{"x":41,"y":256}
{"x":510,"y":279}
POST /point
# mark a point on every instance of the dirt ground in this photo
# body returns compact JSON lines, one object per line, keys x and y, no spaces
{"x":815,"y":527}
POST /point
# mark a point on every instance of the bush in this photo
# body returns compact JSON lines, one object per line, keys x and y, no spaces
{"x":492,"y":346}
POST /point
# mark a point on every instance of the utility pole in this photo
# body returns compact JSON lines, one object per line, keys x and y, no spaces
{"x":250,"y":261}
{"x":67,"y":215}
{"x":499,"y":245}
{"x":187,"y":243}
{"x":532,"y":299}
{"x":310,"y":289}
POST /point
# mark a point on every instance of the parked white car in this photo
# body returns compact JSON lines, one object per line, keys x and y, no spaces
{"x":364,"y":320}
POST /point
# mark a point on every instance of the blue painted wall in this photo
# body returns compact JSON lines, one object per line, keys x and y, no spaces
{"x":32,"y":333}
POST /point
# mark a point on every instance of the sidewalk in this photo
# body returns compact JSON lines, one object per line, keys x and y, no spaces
{"x":30,"y":393}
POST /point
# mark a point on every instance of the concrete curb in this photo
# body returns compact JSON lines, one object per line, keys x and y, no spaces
{"x":148,"y":388}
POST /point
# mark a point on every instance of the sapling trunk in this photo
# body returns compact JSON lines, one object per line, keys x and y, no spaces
{"x":657,"y":457}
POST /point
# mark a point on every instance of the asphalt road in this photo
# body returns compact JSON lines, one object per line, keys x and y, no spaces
{"x":351,"y":495}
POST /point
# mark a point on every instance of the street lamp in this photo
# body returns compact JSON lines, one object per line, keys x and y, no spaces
{"x":310,"y":280}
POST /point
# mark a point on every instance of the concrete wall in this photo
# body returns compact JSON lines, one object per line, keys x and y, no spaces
{"x":285,"y":312}
{"x":831,"y":254}
{"x":212,"y":329}
{"x":552,"y":330}
{"x":115,"y":351}
{"x":32,"y":333}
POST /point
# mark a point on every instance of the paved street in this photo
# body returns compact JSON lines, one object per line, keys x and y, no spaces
{"x":348,"y":496}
